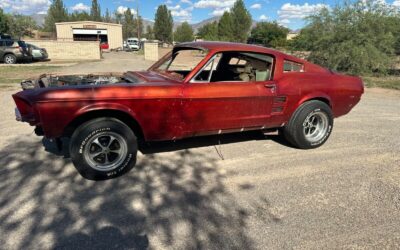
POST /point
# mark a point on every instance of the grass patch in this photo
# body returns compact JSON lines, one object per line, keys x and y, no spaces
{"x":11,"y":75}
{"x":388,"y":82}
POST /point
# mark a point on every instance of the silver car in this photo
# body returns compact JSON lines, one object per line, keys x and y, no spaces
{"x":38,"y":54}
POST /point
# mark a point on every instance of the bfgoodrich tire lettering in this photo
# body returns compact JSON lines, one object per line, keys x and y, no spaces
{"x":310,"y":126}
{"x":103,"y":148}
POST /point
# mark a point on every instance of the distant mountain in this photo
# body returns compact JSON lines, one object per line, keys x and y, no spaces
{"x":39,"y":19}
{"x":197,"y":26}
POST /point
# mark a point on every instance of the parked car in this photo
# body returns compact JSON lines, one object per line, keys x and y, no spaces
{"x":198,"y":89}
{"x":5,"y":37}
{"x":133,"y":43}
{"x":104,"y":46}
{"x":38,"y":54}
{"x":12,"y":51}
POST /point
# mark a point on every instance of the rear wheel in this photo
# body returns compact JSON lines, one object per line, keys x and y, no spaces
{"x":103,"y":148}
{"x":10,"y":59}
{"x":310,"y":126}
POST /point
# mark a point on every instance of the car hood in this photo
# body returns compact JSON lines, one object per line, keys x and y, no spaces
{"x":89,"y":86}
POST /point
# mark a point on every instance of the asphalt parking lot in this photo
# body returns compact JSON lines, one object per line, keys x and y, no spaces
{"x":248,"y":192}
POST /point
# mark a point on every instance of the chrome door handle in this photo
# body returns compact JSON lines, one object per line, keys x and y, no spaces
{"x":270,"y":86}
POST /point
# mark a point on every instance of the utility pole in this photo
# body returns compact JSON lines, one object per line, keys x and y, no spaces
{"x":138,"y":21}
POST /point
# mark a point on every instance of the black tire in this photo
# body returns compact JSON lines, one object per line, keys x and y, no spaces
{"x":10,"y":59}
{"x":84,"y":145}
{"x":299,"y":129}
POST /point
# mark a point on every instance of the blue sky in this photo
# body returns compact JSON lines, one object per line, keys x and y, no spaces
{"x":289,"y":13}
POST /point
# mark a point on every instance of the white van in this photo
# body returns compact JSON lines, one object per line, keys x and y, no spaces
{"x":133,"y":43}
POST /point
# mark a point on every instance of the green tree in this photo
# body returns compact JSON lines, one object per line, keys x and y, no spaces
{"x":129,"y":25}
{"x":225,"y":28}
{"x":355,"y":37}
{"x":55,"y":14}
{"x":80,"y":16}
{"x":4,"y":22}
{"x":95,"y":11}
{"x":184,"y":33}
{"x":209,"y":32}
{"x":107,"y":17}
{"x":163,"y":24}
{"x":270,"y":34}
{"x":119,"y":17}
{"x":21,"y":26}
{"x":149,"y":33}
{"x":241,"y":20}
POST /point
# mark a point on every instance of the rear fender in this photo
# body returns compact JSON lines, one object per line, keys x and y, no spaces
{"x":315,"y":96}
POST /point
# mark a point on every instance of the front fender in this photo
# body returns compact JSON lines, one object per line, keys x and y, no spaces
{"x":105,"y":106}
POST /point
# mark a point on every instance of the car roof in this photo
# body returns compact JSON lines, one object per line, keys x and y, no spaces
{"x":228,"y":46}
{"x":241,"y":47}
{"x":224,"y":46}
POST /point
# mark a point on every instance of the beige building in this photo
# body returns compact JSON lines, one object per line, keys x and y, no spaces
{"x":91,"y":31}
{"x":292,"y":35}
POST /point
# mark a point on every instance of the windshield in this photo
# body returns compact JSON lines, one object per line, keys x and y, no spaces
{"x":133,"y":42}
{"x":32,"y":46}
{"x":181,"y":62}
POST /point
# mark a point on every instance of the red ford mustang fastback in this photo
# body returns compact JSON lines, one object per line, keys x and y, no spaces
{"x":198,"y":89}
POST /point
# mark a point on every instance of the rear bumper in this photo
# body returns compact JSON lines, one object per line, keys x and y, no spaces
{"x":18,"y":115}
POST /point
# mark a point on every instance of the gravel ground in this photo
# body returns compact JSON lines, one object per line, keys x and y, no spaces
{"x":183,"y":195}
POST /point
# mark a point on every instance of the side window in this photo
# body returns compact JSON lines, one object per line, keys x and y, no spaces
{"x":207,"y":72}
{"x":289,"y":66}
{"x":234,"y":66}
{"x":9,"y":43}
{"x":236,"y":61}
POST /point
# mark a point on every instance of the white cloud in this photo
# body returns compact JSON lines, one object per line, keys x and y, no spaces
{"x":187,"y":2}
{"x":218,"y":7}
{"x":263,"y":18}
{"x":183,"y":14}
{"x":220,"y":12}
{"x":256,"y":6}
{"x":284,"y":22}
{"x":123,"y":9}
{"x":25,"y":6}
{"x":214,"y":4}
{"x":180,"y":13}
{"x":80,"y":7}
{"x":396,"y":3}
{"x":177,"y":7}
{"x":296,"y":11}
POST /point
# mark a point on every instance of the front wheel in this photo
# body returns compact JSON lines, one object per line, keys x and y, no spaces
{"x":310,"y":126}
{"x":103,"y":148}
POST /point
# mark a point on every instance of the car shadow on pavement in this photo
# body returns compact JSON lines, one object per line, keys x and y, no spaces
{"x":212,"y":140}
{"x":171,"y":200}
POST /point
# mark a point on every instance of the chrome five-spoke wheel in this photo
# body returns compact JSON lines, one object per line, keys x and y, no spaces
{"x":105,"y":151}
{"x":315,"y":126}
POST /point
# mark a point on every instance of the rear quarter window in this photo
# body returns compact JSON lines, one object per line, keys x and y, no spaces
{"x":290,"y":66}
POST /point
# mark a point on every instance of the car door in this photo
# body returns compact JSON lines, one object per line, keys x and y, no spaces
{"x":225,"y":106}
{"x":1,"y":50}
